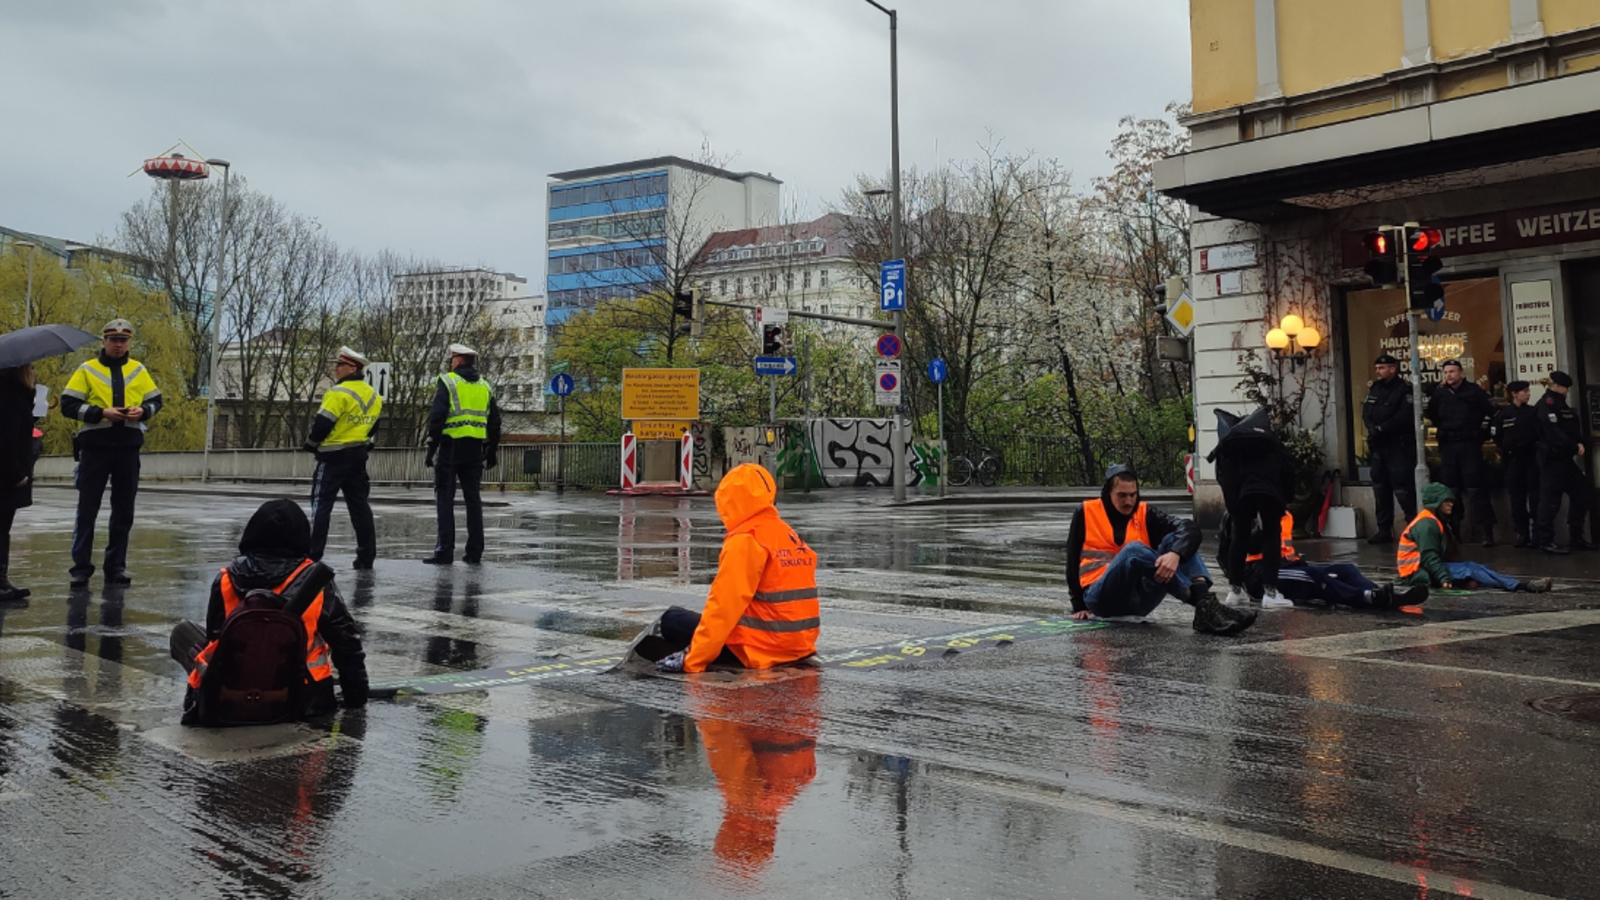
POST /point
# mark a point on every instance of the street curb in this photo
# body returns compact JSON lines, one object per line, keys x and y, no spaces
{"x":375,"y":499}
{"x":1160,"y":495}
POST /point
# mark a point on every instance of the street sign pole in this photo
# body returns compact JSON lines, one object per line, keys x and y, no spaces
{"x":943,"y":469}
{"x":772,"y":382}
{"x":561,"y":451}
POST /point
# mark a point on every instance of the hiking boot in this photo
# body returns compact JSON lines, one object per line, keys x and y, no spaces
{"x":1554,"y":549}
{"x":1213,"y":617}
{"x":1199,"y":590}
{"x":1537,"y":585}
{"x":1416,"y":595}
{"x":1381,"y":537}
{"x":439,"y":559}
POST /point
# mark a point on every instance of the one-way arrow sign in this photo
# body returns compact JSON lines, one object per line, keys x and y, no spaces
{"x":775,"y":365}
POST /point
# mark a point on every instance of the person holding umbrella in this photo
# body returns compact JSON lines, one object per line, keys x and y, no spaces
{"x":19,"y":444}
{"x":112,"y":396}
{"x":16,"y":464}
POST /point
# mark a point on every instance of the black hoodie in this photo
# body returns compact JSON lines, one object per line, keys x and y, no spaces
{"x":275,"y":542}
{"x":1250,"y":459}
{"x":1156,"y":522}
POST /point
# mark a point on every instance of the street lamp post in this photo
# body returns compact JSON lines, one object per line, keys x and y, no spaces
{"x":27,"y":307}
{"x":896,"y":244}
{"x":216,"y":319}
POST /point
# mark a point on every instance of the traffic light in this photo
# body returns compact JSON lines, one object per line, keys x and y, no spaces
{"x":773,"y":341}
{"x":685,"y":311}
{"x":1381,"y":268}
{"x":1423,"y":286}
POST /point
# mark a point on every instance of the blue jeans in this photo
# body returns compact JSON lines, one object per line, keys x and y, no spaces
{"x":1482,"y":574}
{"x":1129,"y":588}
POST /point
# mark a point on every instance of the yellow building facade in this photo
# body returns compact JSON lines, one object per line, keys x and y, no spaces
{"x":1314,"y":122}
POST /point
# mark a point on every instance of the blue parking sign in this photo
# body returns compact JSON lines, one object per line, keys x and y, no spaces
{"x":892,"y":277}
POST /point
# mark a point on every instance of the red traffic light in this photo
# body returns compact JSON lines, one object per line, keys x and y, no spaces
{"x":1423,"y":239}
{"x":1376,"y":242}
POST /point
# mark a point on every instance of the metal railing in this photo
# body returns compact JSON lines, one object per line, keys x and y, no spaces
{"x":1057,"y":460}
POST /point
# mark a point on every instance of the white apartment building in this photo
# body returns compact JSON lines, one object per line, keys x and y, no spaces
{"x":505,"y":299}
{"x":806,"y":266}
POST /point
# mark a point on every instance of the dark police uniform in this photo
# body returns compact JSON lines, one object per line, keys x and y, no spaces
{"x":1459,"y":415}
{"x":463,"y":437}
{"x":341,"y":437}
{"x":1559,"y":439}
{"x":107,"y":451}
{"x":1516,"y":433}
{"x":1391,"y":450}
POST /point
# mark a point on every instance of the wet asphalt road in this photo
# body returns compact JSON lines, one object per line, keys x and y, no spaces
{"x":1324,"y":755}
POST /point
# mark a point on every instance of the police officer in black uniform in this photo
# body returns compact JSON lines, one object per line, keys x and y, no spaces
{"x":1391,"y":446}
{"x":1460,"y":411}
{"x":1561,"y":449}
{"x":1516,"y":432}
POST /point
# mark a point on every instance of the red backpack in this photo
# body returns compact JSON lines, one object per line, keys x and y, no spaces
{"x":257,"y":672}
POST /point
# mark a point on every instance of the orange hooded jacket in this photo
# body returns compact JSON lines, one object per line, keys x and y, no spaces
{"x":763,"y":603}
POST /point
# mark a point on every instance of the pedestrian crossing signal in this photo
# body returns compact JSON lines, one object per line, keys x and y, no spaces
{"x":1382,"y":267}
{"x":1423,"y":287}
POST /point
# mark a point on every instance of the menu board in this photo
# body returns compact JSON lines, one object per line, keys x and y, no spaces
{"x":1533,"y":325}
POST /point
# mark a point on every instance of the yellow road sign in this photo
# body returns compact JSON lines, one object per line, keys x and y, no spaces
{"x":660,"y":394}
{"x":1181,"y":314}
{"x":659,"y":431}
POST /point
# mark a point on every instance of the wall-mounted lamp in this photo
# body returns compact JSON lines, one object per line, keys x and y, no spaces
{"x":1293,"y":339}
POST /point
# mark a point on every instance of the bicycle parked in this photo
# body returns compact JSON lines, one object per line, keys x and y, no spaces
{"x":986,"y":470}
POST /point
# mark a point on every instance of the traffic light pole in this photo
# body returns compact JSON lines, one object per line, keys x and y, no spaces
{"x":1420,"y":474}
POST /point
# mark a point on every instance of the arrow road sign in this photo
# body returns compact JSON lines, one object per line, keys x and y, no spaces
{"x":562,"y":385}
{"x":775,"y":365}
{"x":892,"y":277}
{"x":937,"y":371}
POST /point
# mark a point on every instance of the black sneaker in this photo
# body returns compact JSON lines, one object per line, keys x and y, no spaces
{"x":122,"y":577}
{"x":1554,"y":549}
{"x":79,"y":579}
{"x":439,"y":559}
{"x":1381,"y":537}
{"x":1212,"y":616}
{"x":1383,"y":596}
{"x":361,"y":564}
{"x":1416,"y":595}
{"x":1581,"y":544}
{"x":1522,"y":543}
{"x":11,"y":591}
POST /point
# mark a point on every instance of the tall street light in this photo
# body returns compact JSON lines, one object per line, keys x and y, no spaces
{"x":27,"y":307}
{"x":896,"y":247}
{"x":173,"y":169}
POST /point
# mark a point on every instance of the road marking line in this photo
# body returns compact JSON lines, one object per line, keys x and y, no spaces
{"x":1465,"y":670}
{"x":1174,"y":822}
{"x":1341,"y":646}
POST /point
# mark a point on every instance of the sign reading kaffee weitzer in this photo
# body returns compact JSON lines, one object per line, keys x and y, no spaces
{"x":1493,"y":232}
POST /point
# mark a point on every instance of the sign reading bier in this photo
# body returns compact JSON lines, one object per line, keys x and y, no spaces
{"x":661,"y":394}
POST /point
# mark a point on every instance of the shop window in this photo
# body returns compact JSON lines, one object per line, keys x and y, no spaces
{"x":1472,"y":331}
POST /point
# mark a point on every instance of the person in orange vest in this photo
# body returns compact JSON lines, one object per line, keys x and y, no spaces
{"x":274,"y":549}
{"x":1428,"y":543}
{"x":762,"y":610}
{"x":760,"y":767}
{"x":1334,"y":584}
{"x":1125,"y":556}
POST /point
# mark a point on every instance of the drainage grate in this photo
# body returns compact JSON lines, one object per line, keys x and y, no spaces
{"x":1577,"y":707}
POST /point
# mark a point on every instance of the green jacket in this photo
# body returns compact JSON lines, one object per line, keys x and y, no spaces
{"x":1435,"y":543}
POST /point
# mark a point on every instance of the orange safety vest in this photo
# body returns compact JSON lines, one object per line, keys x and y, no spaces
{"x":1408,"y":557}
{"x":318,"y":659}
{"x":1286,"y":547}
{"x":784,"y":618}
{"x":1100,"y":542}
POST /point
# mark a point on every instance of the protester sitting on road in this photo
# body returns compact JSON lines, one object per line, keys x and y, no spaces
{"x":1125,"y":556}
{"x":762,"y":610}
{"x":16,"y":465}
{"x":1256,"y":476}
{"x":274,"y":556}
{"x":1427,"y":545}
{"x":1339,"y":584}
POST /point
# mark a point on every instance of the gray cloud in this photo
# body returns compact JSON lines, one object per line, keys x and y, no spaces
{"x":429,"y":127}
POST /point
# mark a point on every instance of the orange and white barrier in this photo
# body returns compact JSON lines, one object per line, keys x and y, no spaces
{"x":630,"y":462}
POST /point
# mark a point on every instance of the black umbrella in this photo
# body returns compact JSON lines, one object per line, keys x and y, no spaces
{"x":26,"y":345}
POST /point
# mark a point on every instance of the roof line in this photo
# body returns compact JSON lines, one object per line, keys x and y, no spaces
{"x":657,"y":162}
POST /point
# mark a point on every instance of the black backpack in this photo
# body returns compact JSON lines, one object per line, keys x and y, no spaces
{"x":257,"y":674}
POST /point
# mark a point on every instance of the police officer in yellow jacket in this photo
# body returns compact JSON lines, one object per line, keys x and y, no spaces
{"x":340,"y":437}
{"x":463,"y":436}
{"x":112,"y":396}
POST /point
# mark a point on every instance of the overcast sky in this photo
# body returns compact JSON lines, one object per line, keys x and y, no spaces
{"x":431,"y":127}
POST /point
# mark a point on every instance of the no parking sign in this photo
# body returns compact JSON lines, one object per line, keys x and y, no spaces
{"x":886,"y":382}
